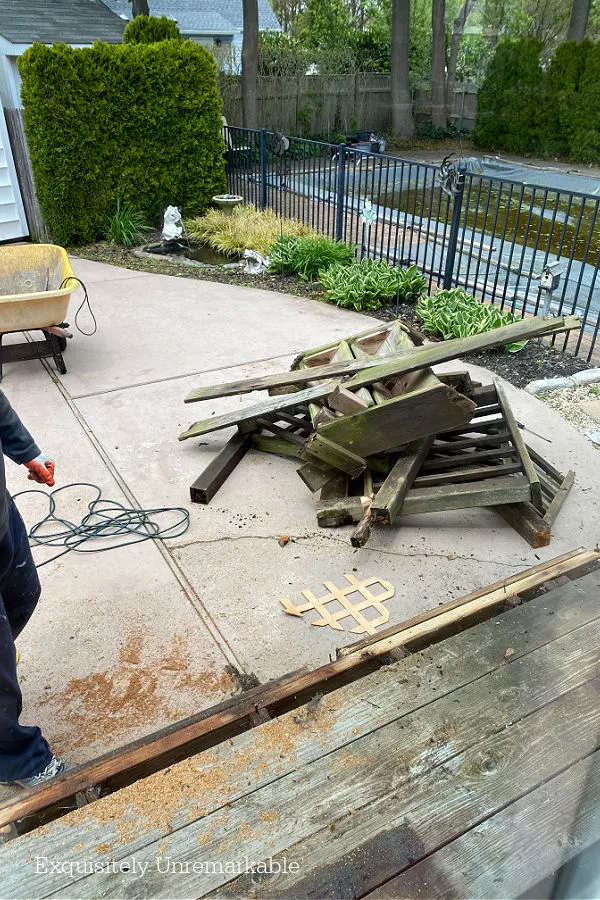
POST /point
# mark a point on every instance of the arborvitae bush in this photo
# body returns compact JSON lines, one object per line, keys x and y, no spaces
{"x":561,"y":98}
{"x":150,"y":29}
{"x":551,"y":111}
{"x":510,"y":98}
{"x":585,"y":125}
{"x":138,"y":122}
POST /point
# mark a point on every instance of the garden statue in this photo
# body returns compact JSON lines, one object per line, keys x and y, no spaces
{"x":172,"y":227}
{"x":256,"y":263}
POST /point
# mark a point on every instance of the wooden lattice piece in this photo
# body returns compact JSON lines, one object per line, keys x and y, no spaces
{"x":347,"y":609}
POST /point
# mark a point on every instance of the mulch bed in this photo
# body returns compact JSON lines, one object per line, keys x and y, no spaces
{"x":534,"y":361}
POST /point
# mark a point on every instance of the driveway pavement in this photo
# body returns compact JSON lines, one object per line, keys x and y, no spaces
{"x":127,"y":641}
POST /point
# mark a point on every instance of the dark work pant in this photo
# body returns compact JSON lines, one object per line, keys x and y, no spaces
{"x":23,"y":750}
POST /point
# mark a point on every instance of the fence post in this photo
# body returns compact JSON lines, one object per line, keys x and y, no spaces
{"x":454,"y":225}
{"x":263,"y":168}
{"x":341,"y":193}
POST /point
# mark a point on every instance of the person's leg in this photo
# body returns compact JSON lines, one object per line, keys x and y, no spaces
{"x":23,"y":751}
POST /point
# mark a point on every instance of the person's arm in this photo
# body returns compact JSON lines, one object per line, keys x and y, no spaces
{"x":19,"y":446}
{"x":17,"y":443}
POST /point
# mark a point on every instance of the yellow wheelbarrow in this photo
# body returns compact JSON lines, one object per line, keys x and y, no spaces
{"x":36,"y":283}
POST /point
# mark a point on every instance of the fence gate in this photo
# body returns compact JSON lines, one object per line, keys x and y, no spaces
{"x":13,"y":224}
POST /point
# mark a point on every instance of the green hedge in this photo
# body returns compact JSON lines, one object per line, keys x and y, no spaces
{"x":551,"y":110}
{"x":138,"y":122}
{"x":150,"y":29}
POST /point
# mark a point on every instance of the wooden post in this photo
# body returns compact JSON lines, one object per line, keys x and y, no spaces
{"x":216,"y":473}
{"x":388,"y":501}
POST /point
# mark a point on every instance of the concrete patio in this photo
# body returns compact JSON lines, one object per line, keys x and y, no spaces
{"x":127,"y":641}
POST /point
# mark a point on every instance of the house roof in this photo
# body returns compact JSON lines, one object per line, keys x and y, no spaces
{"x":54,"y":21}
{"x":203,"y":16}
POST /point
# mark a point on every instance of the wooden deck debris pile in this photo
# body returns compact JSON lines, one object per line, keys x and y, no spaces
{"x":381,"y":436}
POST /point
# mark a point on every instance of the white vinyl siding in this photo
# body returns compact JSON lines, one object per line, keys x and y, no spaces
{"x":12,"y":215}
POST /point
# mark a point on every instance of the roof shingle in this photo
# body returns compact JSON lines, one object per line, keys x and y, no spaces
{"x":203,"y":16}
{"x":54,"y":21}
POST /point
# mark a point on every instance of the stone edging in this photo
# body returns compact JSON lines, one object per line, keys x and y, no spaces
{"x":587,"y":376}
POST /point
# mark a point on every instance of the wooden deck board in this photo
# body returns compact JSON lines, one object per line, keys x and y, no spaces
{"x":281,"y":787}
{"x":559,"y":820}
{"x":388,"y":747}
{"x":373,"y":844}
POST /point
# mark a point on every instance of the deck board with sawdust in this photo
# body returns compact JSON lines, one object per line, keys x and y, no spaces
{"x":398,"y":770}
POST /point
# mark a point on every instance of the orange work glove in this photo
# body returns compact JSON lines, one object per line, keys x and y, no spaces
{"x":41,"y":469}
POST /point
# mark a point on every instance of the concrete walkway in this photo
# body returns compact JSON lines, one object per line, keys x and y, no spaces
{"x":127,"y":641}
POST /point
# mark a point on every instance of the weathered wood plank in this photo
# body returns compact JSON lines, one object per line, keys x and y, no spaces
{"x":555,"y":506}
{"x":527,"y":521}
{"x":336,"y":488}
{"x":362,"y":532}
{"x":399,"y":421}
{"x":438,"y":671}
{"x":269,"y":444}
{"x":379,"y":369}
{"x":379,"y":840}
{"x":445,"y":444}
{"x":549,"y":690}
{"x":544,"y":465}
{"x":517,"y":439}
{"x":377,"y":329}
{"x":467,"y":475}
{"x":394,"y":340}
{"x":218,"y":471}
{"x":557,"y":821}
{"x":299,"y":423}
{"x":435,"y":463}
{"x":325,"y":450}
{"x":490,"y":492}
{"x":316,"y":476}
{"x":460,"y":381}
{"x":345,"y":401}
{"x":284,"y":433}
{"x":390,"y":497}
{"x":273,"y":404}
{"x":516,"y":585}
{"x":340,"y":511}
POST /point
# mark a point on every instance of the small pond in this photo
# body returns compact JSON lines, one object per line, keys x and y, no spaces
{"x":196,"y":252}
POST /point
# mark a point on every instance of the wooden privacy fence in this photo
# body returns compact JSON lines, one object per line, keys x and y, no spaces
{"x":330,"y":104}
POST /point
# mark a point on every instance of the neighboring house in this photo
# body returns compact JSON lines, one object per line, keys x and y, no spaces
{"x":213,"y":23}
{"x":75,"y":22}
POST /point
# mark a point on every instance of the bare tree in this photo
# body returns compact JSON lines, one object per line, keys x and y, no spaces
{"x":580,"y":13}
{"x":457,"y":33}
{"x":139,"y":8}
{"x":250,"y":64}
{"x":402,"y":114}
{"x":438,"y":63}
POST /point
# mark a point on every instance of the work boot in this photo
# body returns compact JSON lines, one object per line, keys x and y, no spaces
{"x":54,"y":768}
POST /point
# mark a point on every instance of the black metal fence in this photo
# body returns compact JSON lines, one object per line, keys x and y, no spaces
{"x":491,"y":235}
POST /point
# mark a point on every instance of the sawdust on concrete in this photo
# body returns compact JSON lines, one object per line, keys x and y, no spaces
{"x":139,"y":691}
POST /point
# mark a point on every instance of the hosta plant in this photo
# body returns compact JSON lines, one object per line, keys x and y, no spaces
{"x":370,"y":284}
{"x":455,"y":314}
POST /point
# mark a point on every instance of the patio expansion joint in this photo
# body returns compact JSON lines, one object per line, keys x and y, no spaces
{"x":138,"y":384}
{"x":184,"y":583}
{"x":233,"y":538}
